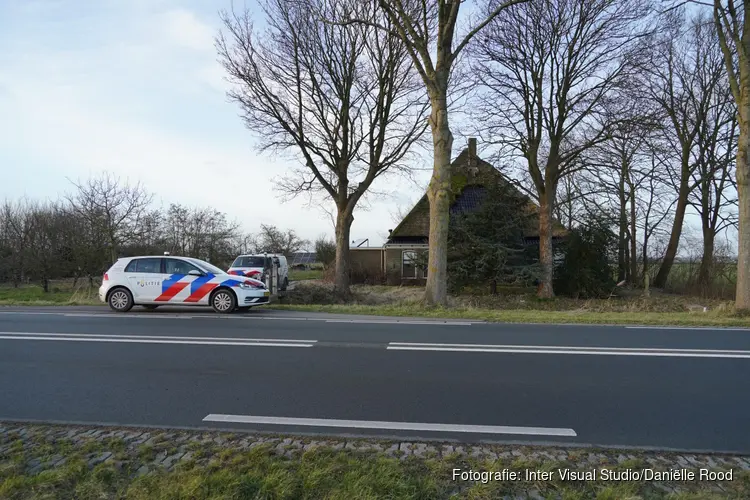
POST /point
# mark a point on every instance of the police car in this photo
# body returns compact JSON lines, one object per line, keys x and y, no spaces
{"x":151,"y":281}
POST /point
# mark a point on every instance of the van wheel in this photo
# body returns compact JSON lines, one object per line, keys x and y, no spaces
{"x":120,"y":300}
{"x":223,"y":301}
{"x":285,"y":284}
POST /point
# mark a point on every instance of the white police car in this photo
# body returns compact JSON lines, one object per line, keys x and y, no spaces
{"x":152,"y":281}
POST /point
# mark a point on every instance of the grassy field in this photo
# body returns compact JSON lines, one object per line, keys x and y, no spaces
{"x":301,"y":275}
{"x":228,"y":471}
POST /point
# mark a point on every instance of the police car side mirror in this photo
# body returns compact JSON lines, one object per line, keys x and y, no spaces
{"x":193,"y":272}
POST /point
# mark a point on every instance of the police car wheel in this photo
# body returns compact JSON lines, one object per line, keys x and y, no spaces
{"x":120,"y":300}
{"x":223,"y":301}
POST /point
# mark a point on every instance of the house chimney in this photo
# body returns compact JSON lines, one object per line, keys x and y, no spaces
{"x":472,"y":147}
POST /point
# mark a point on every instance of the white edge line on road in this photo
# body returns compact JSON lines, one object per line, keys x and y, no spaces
{"x":147,"y":341}
{"x":29,"y":313}
{"x":700,"y":328}
{"x":400,"y":322}
{"x":121,"y":315}
{"x":568,"y":348}
{"x":158,"y":337}
{"x":175,"y":315}
{"x":594,"y":353}
{"x":395,"y":426}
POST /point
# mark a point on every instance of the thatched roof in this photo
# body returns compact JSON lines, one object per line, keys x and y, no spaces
{"x":469,"y":176}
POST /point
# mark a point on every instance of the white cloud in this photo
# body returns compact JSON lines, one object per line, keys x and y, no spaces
{"x":136,"y":90}
{"x":184,"y":29}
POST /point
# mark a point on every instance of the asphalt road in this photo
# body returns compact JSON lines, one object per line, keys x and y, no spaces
{"x":279,"y":371}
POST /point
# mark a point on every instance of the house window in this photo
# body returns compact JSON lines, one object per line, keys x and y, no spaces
{"x":409,"y":264}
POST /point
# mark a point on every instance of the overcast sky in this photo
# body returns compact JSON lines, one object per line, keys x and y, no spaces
{"x":133,"y":87}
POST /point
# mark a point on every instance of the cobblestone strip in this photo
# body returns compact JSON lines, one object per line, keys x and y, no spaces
{"x":143,"y":451}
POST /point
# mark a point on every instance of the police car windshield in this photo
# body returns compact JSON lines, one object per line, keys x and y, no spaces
{"x":207,"y":267}
{"x":248,"y":261}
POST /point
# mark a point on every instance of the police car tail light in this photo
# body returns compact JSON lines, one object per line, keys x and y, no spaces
{"x":105,"y":278}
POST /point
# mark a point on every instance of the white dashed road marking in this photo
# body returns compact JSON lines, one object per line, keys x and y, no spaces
{"x":393,"y":426}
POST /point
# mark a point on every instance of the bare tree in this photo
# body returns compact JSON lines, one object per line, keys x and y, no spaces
{"x":344,"y":98}
{"x":18,"y":230}
{"x":733,"y":30}
{"x":47,"y":240}
{"x":654,"y":210}
{"x":428,"y":29}
{"x":111,"y":208}
{"x":617,"y":161}
{"x":273,"y":240}
{"x":684,"y":71}
{"x":634,"y":189}
{"x":204,"y":233}
{"x":547,"y":69}
{"x":715,"y":195}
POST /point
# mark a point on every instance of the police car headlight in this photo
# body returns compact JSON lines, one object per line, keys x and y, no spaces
{"x":247,"y":285}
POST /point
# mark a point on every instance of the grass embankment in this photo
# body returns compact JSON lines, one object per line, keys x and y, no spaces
{"x":227,"y":470}
{"x":60,"y":293}
{"x":517,"y":307}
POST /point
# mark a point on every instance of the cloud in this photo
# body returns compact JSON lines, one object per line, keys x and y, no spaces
{"x":134,"y":88}
{"x":184,"y":29}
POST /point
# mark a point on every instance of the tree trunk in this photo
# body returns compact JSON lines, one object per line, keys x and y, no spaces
{"x":704,"y":272}
{"x":439,"y":194}
{"x":644,"y":250}
{"x":344,"y":221}
{"x":742,"y":300}
{"x":674,"y":239}
{"x":622,"y":262}
{"x":633,"y":240}
{"x":546,"y":255}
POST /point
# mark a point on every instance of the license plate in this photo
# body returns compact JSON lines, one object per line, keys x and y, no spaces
{"x":266,"y":294}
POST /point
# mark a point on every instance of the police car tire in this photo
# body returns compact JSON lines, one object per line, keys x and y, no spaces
{"x":120,"y":299}
{"x":223,"y":301}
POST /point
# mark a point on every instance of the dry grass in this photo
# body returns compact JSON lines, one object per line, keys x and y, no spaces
{"x":662,"y":309}
{"x":61,"y":292}
{"x":318,"y":292}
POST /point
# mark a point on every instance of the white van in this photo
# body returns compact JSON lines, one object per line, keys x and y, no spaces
{"x":255,"y":266}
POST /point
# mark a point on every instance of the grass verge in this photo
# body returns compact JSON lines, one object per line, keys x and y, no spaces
{"x":226,"y":471}
{"x":33,"y":295}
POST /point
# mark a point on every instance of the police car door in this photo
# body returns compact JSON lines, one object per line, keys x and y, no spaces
{"x":145,"y":279}
{"x":184,"y":283}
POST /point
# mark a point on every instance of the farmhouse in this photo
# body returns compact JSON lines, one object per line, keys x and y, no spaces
{"x":398,"y":261}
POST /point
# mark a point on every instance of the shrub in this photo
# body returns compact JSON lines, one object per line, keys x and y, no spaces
{"x":325,"y":251}
{"x":486,"y":244}
{"x":587,"y":269}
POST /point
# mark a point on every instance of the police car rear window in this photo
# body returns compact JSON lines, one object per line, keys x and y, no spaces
{"x":248,"y":262}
